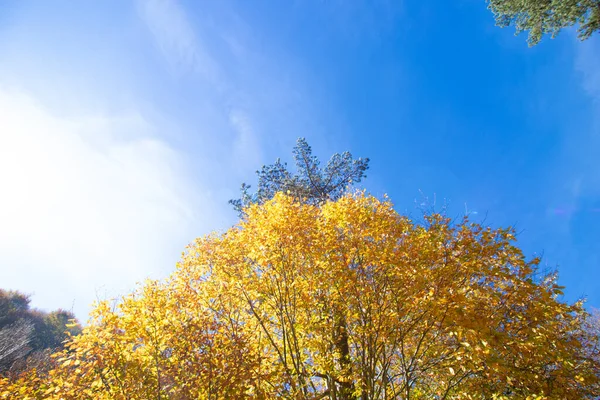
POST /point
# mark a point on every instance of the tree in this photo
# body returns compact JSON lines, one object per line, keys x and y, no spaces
{"x":341,"y":300}
{"x":311,"y":183}
{"x":25,"y":331}
{"x":13,"y":306}
{"x":541,"y":17}
{"x":14,"y":342}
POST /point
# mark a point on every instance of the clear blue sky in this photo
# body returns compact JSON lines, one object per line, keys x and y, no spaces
{"x":126,"y":126}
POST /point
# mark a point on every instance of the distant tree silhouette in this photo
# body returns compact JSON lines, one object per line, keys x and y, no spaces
{"x":25,"y":331}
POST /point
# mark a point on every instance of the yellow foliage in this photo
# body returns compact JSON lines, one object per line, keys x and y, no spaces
{"x":348,"y":300}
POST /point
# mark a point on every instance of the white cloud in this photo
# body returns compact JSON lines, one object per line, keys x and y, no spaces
{"x":87,"y":205}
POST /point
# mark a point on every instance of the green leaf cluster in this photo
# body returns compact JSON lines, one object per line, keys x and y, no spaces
{"x":540,"y":17}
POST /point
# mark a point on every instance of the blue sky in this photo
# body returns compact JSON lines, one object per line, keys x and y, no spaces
{"x":126,"y":127}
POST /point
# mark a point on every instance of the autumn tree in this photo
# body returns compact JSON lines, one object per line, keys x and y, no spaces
{"x":342,"y":300}
{"x":541,"y":17}
{"x":310,"y":183}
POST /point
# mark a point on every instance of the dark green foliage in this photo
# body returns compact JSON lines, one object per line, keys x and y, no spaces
{"x":311,"y":183}
{"x":25,"y":331}
{"x":541,"y":17}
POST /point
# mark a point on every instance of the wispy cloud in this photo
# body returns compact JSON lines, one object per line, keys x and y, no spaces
{"x":587,"y":62}
{"x":175,"y":37}
{"x":254,"y":95}
{"x":587,"y":142}
{"x":246,"y":146}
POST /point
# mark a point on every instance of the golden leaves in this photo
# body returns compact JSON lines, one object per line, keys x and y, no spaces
{"x":336,"y":301}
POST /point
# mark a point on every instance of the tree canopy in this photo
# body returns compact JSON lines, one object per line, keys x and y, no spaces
{"x":540,"y":17}
{"x":310,"y":183}
{"x":342,"y":300}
